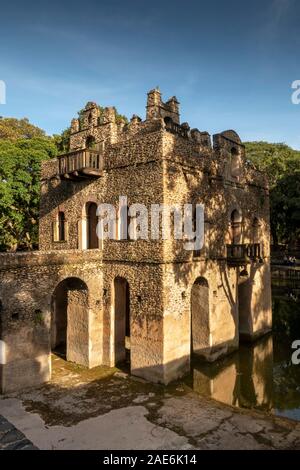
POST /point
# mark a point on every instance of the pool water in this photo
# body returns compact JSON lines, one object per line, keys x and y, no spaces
{"x":260,"y":375}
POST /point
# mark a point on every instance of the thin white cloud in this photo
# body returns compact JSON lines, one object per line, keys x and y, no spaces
{"x":278,"y":11}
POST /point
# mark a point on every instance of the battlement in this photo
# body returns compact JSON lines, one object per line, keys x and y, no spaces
{"x":98,"y":126}
{"x":157,"y":109}
{"x":99,"y":134}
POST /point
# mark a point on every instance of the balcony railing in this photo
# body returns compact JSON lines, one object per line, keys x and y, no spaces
{"x":81,"y":164}
{"x":241,"y":254}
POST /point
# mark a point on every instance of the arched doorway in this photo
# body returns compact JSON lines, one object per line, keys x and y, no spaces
{"x":121,"y":320}
{"x":236,"y":227}
{"x":91,"y":225}
{"x":69,"y":320}
{"x":200,"y":325}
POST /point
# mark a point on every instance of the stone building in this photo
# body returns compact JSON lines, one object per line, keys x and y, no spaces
{"x":150,"y":299}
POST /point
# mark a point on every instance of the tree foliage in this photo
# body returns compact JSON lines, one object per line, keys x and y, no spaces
{"x":13,"y":129}
{"x":62,"y":141}
{"x":20,"y":161}
{"x":282,"y":165}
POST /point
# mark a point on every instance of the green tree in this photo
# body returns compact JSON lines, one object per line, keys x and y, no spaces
{"x":20,"y":162}
{"x":13,"y":129}
{"x":62,"y":141}
{"x":282,"y":165}
{"x":276,"y":160}
{"x":285,"y":208}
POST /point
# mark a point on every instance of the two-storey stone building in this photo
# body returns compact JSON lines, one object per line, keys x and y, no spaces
{"x":150,"y":297}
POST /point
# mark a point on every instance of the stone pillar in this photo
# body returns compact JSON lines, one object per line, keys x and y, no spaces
{"x":74,"y":126}
{"x":153,"y":104}
{"x":255,"y":303}
{"x":25,"y":358}
{"x":78,"y":327}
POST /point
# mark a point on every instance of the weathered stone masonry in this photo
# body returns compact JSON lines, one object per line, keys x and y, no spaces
{"x":153,"y":296}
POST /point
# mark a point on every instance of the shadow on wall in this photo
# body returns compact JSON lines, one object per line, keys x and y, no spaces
{"x":56,"y":193}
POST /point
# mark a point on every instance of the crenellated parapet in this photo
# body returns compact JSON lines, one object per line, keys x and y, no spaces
{"x":157,"y":109}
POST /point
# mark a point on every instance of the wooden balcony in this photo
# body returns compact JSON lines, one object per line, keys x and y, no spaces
{"x":239,"y":255}
{"x":81,"y":164}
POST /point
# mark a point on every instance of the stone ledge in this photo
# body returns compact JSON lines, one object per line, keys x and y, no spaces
{"x":44,"y":258}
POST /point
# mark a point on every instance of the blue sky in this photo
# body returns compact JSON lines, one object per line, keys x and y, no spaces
{"x":230,"y":63}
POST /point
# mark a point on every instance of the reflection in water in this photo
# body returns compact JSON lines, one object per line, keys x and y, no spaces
{"x":259,"y":375}
{"x":243,"y":379}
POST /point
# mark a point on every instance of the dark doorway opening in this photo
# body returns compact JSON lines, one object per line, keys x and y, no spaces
{"x":92,"y":220}
{"x":122,"y":321}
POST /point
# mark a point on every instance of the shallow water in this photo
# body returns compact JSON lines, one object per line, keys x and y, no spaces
{"x":260,"y":375}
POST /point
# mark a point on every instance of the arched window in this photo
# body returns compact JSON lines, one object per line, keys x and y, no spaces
{"x":87,"y":227}
{"x":121,"y":319}
{"x":91,"y":225}
{"x":90,"y":142}
{"x":168,"y":122}
{"x":236,"y":226}
{"x":61,"y":226}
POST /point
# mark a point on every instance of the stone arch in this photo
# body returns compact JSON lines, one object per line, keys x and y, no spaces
{"x":232,"y":136}
{"x":168,"y":120}
{"x":121,"y":308}
{"x":90,"y":142}
{"x":200,"y":322}
{"x":69,"y":320}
